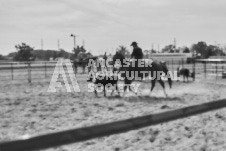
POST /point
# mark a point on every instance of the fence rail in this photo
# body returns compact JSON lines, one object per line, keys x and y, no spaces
{"x":86,"y":133}
{"x":29,"y":70}
{"x":43,"y":69}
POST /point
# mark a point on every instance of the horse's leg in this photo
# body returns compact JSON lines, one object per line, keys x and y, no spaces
{"x":178,"y":76}
{"x":95,"y":91}
{"x":104,"y":90}
{"x":125,"y":87}
{"x":114,"y":90}
{"x":188,"y":76}
{"x":127,"y":82}
{"x":163,"y":86}
{"x":152,"y":85}
{"x":132,"y":90}
{"x":117,"y":89}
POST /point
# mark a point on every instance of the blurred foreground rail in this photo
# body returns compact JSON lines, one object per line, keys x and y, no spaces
{"x":86,"y":133}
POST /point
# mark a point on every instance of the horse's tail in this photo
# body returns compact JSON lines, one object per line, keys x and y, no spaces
{"x":166,"y":71}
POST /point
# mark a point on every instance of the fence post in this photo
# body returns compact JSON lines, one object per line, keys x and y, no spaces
{"x":222,"y":69}
{"x":172,"y":65}
{"x":216,"y":71}
{"x":45,"y":70}
{"x":205,"y":69}
{"x":75,"y":66}
{"x":29,"y":71}
{"x":194,"y":70}
{"x":12,"y":70}
{"x":84,"y":68}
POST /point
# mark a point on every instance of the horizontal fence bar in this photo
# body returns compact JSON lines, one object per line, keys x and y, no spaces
{"x":83,"y":134}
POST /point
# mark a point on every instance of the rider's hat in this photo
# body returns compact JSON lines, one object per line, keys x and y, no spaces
{"x":134,"y":43}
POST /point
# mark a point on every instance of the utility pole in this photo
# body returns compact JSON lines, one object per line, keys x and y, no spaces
{"x":74,"y":36}
{"x":83,"y":43}
{"x":174,"y":44}
{"x":151,"y":50}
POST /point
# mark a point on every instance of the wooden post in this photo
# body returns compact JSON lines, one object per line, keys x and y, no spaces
{"x":83,"y":67}
{"x":12,"y":70}
{"x":75,"y":66}
{"x":172,"y":64}
{"x":29,"y":71}
{"x":216,"y":71}
{"x":194,"y":70}
{"x":205,"y":69}
{"x":222,"y":68}
{"x":223,"y":75}
{"x":182,"y":63}
{"x":45,"y":70}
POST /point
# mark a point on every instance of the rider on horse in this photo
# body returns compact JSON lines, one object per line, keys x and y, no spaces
{"x":137,"y":51}
{"x":137,"y":55}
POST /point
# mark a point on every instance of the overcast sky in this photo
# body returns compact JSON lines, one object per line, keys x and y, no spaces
{"x":106,"y":24}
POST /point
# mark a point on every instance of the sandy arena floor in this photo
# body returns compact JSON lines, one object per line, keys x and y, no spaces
{"x":30,"y":109}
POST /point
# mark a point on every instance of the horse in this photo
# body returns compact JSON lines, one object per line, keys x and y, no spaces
{"x":97,"y":64}
{"x":105,"y":80}
{"x":185,"y":72}
{"x":80,"y":63}
{"x":150,"y":70}
{"x":89,"y":67}
{"x":103,"y":77}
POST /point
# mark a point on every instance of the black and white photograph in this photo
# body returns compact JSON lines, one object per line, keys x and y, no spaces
{"x":112,"y":75}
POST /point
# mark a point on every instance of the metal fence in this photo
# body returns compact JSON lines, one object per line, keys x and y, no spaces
{"x":30,"y":70}
{"x":44,"y":69}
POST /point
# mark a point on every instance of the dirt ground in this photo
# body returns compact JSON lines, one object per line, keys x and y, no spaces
{"x":28,"y":109}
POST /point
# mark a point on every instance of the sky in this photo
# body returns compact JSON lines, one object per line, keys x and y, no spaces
{"x":103,"y":25}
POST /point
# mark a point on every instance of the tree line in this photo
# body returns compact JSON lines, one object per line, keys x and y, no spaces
{"x":28,"y":53}
{"x":200,"y":49}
